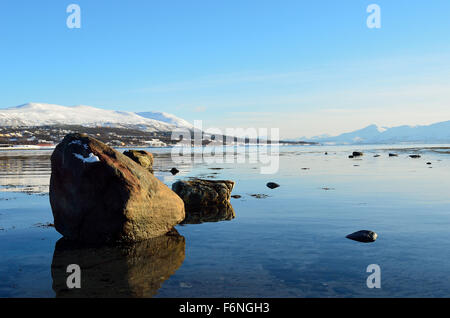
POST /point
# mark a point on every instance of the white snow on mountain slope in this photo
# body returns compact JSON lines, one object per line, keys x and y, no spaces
{"x":434,"y":133}
{"x":36,"y":114}
{"x":166,"y":118}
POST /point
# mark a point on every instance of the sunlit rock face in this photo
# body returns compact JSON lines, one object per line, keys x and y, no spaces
{"x":205,"y":200}
{"x":99,"y":194}
{"x":142,"y":157}
{"x":126,"y":270}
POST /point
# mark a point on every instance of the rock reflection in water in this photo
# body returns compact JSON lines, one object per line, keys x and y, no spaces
{"x":131,"y":270}
{"x":216,"y":213}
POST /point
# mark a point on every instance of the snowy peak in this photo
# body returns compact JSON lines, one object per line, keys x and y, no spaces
{"x":434,"y":133}
{"x":39,"y":114}
{"x":166,"y":118}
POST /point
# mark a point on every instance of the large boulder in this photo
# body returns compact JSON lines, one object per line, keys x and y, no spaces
{"x":98,"y":194}
{"x":205,"y":200}
{"x":142,"y":157}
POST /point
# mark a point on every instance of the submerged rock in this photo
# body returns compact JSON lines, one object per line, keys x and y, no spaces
{"x":124,"y":270}
{"x":174,"y":171}
{"x":142,"y":157}
{"x":357,"y":154}
{"x":108,"y":198}
{"x":205,"y":199}
{"x":272,"y":185}
{"x":259,"y":195}
{"x":364,"y":236}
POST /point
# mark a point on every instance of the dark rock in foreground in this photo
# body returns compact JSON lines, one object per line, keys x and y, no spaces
{"x":205,"y":200}
{"x":364,"y":236}
{"x":124,"y":270}
{"x":98,"y":194}
{"x":272,"y":185}
{"x":142,"y":157}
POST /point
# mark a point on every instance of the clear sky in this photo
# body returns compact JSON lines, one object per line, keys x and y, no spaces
{"x":307,"y":67}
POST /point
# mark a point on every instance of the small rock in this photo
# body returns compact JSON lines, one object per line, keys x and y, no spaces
{"x":142,"y":157}
{"x":393,"y":155}
{"x":174,"y":171}
{"x":376,"y":156}
{"x":428,"y":163}
{"x":236,"y":196}
{"x":364,"y":236}
{"x":357,"y":154}
{"x":272,"y":185}
{"x":326,"y":153}
{"x":414,"y":156}
{"x":259,"y":196}
{"x":351,"y":156}
{"x":205,"y":200}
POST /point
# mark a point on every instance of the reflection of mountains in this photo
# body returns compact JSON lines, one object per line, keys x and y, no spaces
{"x":25,"y":171}
{"x":132,"y":270}
{"x":216,"y":213}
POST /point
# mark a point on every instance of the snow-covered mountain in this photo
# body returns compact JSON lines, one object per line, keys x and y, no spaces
{"x":36,"y":114}
{"x":166,"y":118}
{"x":434,"y":133}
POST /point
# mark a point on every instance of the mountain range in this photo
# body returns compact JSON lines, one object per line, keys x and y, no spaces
{"x":38,"y":114}
{"x":373,"y":134}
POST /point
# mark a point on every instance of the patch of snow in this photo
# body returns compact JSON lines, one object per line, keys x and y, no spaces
{"x":92,"y":158}
{"x":78,"y":142}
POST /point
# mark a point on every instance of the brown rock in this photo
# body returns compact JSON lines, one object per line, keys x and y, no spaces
{"x":206,"y":200}
{"x":142,"y":157}
{"x":99,"y":194}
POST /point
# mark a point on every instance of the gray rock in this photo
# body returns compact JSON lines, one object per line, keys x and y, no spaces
{"x":364,"y":236}
{"x":272,"y":185}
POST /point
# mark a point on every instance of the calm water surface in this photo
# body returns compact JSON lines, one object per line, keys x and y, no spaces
{"x":289,"y":244}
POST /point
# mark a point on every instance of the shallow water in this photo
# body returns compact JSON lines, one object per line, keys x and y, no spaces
{"x":289,"y":244}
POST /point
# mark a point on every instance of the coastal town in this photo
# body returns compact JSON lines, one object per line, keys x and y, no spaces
{"x":50,"y":136}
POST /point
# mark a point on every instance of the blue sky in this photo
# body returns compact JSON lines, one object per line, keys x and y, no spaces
{"x":307,"y":67}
